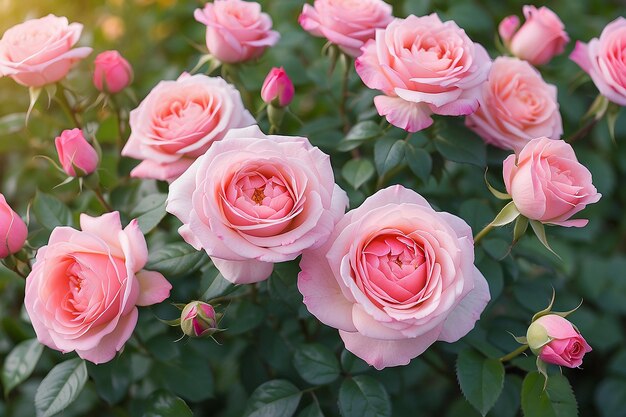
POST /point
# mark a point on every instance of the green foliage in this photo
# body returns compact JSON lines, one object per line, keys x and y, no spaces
{"x":364,"y":396}
{"x":556,"y":400}
{"x":20,"y":363}
{"x":316,"y":364}
{"x":481,"y":379}
{"x":278,"y":398}
{"x":60,"y":387}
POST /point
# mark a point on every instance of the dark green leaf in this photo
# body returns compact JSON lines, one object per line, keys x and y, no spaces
{"x":316,"y":364}
{"x":556,"y":401}
{"x":19,"y":363}
{"x":112,"y":378}
{"x":460,"y":145}
{"x":364,"y":130}
{"x":51,"y":212}
{"x":60,"y":387}
{"x":176,"y":259}
{"x":419,"y":161}
{"x":363,"y":396}
{"x":481,"y":379}
{"x":611,"y":396}
{"x":165,"y":404}
{"x":150,"y":211}
{"x":311,"y":411}
{"x":219,"y":287}
{"x":509,"y":401}
{"x":388,"y":153}
{"x":188,"y":375}
{"x":357,"y":172}
{"x":277,"y":398}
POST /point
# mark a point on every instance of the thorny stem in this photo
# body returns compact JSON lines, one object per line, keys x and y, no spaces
{"x":514,"y":354}
{"x":65,"y":105}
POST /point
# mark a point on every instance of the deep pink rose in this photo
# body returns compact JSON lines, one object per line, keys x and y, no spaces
{"x":13,"y":231}
{"x":179,"y":120}
{"x":75,"y":153}
{"x":85,"y":286}
{"x":198,"y":319}
{"x":252,"y":200}
{"x":555,"y":340}
{"x":423,"y":66}
{"x":112,"y":73}
{"x":516,"y":105}
{"x":346,"y":23}
{"x":236,"y":30}
{"x":540,"y":38}
{"x":394,"y":277}
{"x":548,"y":183}
{"x":39,"y":51}
{"x":277,"y":87}
{"x":604,"y":60}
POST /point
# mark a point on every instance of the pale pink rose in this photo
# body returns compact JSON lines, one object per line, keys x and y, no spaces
{"x":13,"y":231}
{"x":548,"y":183}
{"x":507,"y":28}
{"x":112,"y":73}
{"x":39,"y":51}
{"x":604,"y":60}
{"x":252,"y":200}
{"x":394,"y":277}
{"x":85,"y":286}
{"x":236,"y":30}
{"x":179,"y":120}
{"x":346,"y":23}
{"x":423,"y":66}
{"x":540,"y":38}
{"x":555,"y":340}
{"x":277,"y":87}
{"x":75,"y":153}
{"x":516,"y":105}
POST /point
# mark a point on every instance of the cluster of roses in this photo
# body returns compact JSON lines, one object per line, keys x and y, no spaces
{"x":393,"y":275}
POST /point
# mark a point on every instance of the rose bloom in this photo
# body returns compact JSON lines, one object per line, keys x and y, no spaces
{"x":604,"y":60}
{"x":548,"y":183}
{"x":39,"y":51}
{"x":85,"y":285}
{"x":236,"y":30}
{"x":555,"y":340}
{"x":277,"y":88}
{"x":13,"y":230}
{"x":394,"y":277}
{"x":75,"y":153}
{"x":540,"y":38}
{"x":112,"y":73}
{"x":253,"y":200}
{"x":516,"y":105}
{"x":346,"y":23}
{"x":423,"y":66}
{"x":179,"y":120}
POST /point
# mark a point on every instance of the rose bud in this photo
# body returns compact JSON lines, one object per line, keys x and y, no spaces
{"x":508,"y":27}
{"x":13,"y":231}
{"x":548,"y":184}
{"x":540,"y":38}
{"x":198,"y":319}
{"x":75,"y":153}
{"x":277,"y":88}
{"x":112,"y":72}
{"x":555,"y":340}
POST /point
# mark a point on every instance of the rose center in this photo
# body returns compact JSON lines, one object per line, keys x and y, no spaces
{"x":258,"y":196}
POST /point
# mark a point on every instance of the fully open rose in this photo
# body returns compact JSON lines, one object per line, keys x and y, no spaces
{"x":179,"y":120}
{"x":39,"y":51}
{"x":253,"y":200}
{"x":394,"y":277}
{"x":85,"y":286}
{"x":423,"y":66}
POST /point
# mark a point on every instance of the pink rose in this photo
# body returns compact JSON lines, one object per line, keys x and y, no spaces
{"x":198,"y":319}
{"x":179,"y":120}
{"x":39,"y":51}
{"x":75,"y":153}
{"x":252,"y":200}
{"x":508,"y":27}
{"x":236,"y":30}
{"x":85,"y":285}
{"x":112,"y":73}
{"x":346,"y":23}
{"x":394,"y":277}
{"x":540,"y":38}
{"x":13,"y":231}
{"x":423,"y":66}
{"x":277,"y":86}
{"x":603,"y":59}
{"x":555,"y":340}
{"x":516,"y":105}
{"x":548,"y":183}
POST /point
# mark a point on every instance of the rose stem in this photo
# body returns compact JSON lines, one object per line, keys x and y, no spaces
{"x":65,"y":105}
{"x":101,"y":199}
{"x":514,"y":354}
{"x":483,"y":233}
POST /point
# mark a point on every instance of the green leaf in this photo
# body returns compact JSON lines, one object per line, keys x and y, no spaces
{"x":419,"y":160}
{"x":481,"y":379}
{"x":521,"y":224}
{"x":557,"y":400}
{"x":219,"y":287}
{"x":165,"y":404}
{"x":187,"y":374}
{"x":311,"y":411}
{"x":506,"y":215}
{"x":363,"y":396}
{"x":112,"y":378}
{"x":357,"y":172}
{"x":277,"y":398}
{"x":367,"y":129}
{"x":60,"y":387}
{"x":51,"y":212}
{"x":175,"y":259}
{"x":459,"y":145}
{"x":19,"y":364}
{"x":316,"y":364}
{"x":388,"y":153}
{"x":150,"y":211}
